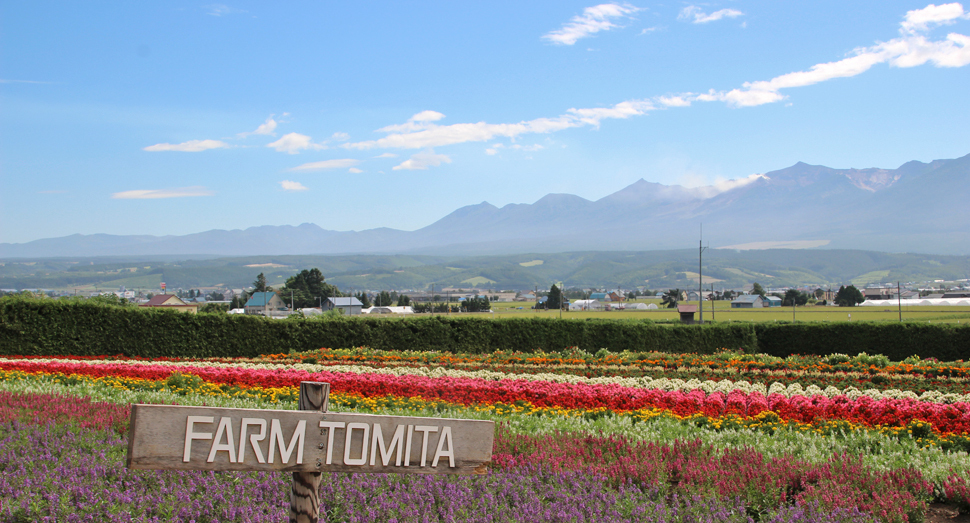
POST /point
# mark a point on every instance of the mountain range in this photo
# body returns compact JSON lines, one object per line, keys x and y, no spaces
{"x":918,"y":207}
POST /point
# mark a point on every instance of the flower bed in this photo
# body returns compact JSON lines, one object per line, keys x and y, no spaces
{"x":772,"y":447}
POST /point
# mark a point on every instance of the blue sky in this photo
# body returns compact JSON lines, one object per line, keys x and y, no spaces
{"x":173,"y":117}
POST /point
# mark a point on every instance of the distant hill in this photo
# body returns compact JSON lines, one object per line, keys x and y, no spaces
{"x":724,"y":268}
{"x":919,"y":207}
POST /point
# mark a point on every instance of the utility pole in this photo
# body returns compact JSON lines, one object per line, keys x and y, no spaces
{"x":700,"y":275}
{"x":712,"y":302}
{"x":899,"y":300}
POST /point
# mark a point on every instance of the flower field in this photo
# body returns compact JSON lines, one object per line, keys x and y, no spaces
{"x":644,"y":437}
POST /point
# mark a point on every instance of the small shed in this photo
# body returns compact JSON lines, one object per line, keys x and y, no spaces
{"x":772,"y":301}
{"x":171,"y":302}
{"x":748,"y":301}
{"x":351,"y":305}
{"x":264,"y":303}
{"x":687,"y":313}
{"x":599,"y":296}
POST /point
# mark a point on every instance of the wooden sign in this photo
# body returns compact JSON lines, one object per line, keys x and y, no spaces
{"x":207,"y":438}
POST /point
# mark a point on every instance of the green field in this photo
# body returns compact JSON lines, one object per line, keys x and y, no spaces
{"x":724,"y":313}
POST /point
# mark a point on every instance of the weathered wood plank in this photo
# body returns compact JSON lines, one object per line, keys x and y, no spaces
{"x":305,"y":492}
{"x":207,"y":438}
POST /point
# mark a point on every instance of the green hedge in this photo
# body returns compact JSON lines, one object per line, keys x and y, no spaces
{"x":51,"y":327}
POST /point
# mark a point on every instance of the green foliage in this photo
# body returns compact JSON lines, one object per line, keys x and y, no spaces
{"x":383,"y":299}
{"x":758,"y":289}
{"x":85,"y":328}
{"x":554,"y":300}
{"x":364,"y":299}
{"x":308,"y":289}
{"x":260,"y":284}
{"x":477,"y":304}
{"x":849,"y":296}
{"x":403,"y":300}
{"x":671,"y":298}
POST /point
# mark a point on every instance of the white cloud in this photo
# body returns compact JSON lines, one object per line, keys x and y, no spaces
{"x":340,"y":137}
{"x":386,"y":155}
{"x":354,"y":170}
{"x":422,"y":132}
{"x":700,"y":17}
{"x":265,"y":128}
{"x":150,"y":194}
{"x":428,"y":135}
{"x":422,"y":161}
{"x":326,"y":164}
{"x":222,"y":10}
{"x":909,"y":50}
{"x":293,"y":143}
{"x":919,"y":20}
{"x":191,"y":146}
{"x":719,"y":186}
{"x":417,"y":122}
{"x":593,"y":20}
{"x":292,"y":186}
{"x":649,"y":30}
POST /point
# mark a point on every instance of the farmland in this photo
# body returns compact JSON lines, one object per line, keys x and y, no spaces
{"x":724,"y":313}
{"x":580,"y":437}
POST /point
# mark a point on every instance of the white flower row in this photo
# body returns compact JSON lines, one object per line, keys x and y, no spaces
{"x":707,"y":386}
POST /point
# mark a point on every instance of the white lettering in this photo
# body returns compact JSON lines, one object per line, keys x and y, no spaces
{"x":253,"y":440}
{"x":363,"y":446}
{"x":225,"y":428}
{"x":440,"y":452}
{"x":407,"y":449}
{"x":276,"y":436}
{"x":190,"y":435}
{"x":426,"y":429}
{"x":377,"y":442}
{"x":332,"y":426}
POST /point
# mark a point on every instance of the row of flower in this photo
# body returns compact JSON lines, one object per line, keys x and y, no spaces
{"x":861,"y":372}
{"x":59,"y":472}
{"x":864,"y":410}
{"x":733,"y":361}
{"x":109,"y":366}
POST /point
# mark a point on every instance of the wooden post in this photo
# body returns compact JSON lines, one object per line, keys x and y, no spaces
{"x":305,"y":493}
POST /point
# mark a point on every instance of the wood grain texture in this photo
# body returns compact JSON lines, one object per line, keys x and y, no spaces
{"x":158,"y":435}
{"x":305,"y":492}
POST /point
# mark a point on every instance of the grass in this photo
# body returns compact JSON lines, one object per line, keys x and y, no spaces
{"x":724,"y":313}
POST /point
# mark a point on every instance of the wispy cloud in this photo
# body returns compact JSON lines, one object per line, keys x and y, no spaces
{"x":326,"y":164}
{"x":151,"y":194}
{"x":386,"y":155}
{"x":265,"y":128}
{"x":695,"y":15}
{"x":593,"y":20}
{"x":191,"y":146}
{"x":10,"y":81}
{"x":913,"y":48}
{"x":340,"y":137}
{"x":422,"y":161}
{"x":222,"y":10}
{"x":51,"y":192}
{"x":919,"y":20}
{"x":293,"y":143}
{"x":354,"y":170}
{"x":292,"y":186}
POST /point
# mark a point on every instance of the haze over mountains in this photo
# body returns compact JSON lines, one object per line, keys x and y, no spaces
{"x":918,"y":207}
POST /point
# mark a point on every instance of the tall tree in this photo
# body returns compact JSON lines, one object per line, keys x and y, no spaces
{"x":554,"y":300}
{"x":260,"y":284}
{"x":308,"y":288}
{"x":671,"y":298}
{"x":758,"y":289}
{"x":849,"y":296}
{"x":403,"y":300}
{"x":383,"y":299}
{"x":364,"y":299}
